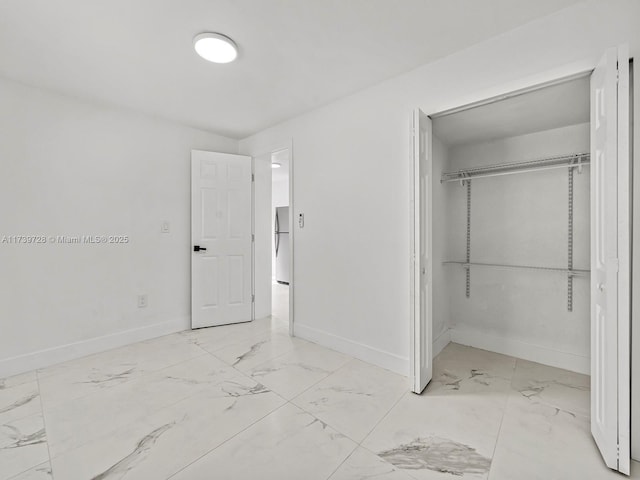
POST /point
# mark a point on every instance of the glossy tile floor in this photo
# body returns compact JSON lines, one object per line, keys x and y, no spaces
{"x":249,"y":402}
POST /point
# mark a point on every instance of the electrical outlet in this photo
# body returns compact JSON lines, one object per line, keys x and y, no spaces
{"x":166,"y":227}
{"x":142,"y":301}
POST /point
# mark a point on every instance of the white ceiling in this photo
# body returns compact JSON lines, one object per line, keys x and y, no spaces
{"x":544,"y":109}
{"x":295,"y":55}
{"x":282,"y":173}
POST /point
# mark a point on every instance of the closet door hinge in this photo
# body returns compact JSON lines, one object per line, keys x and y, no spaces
{"x":253,"y":237}
{"x":253,"y":299}
{"x":253,"y":177}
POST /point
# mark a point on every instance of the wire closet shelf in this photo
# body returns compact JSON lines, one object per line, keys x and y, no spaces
{"x":564,"y":161}
{"x":465,"y":176}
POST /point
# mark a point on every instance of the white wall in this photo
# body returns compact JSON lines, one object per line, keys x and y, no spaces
{"x":72,"y":168}
{"x":279,"y":198}
{"x":441,"y":219}
{"x":521,"y":220}
{"x":352,"y":172}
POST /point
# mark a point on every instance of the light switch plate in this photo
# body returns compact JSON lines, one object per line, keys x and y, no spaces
{"x":142,"y":301}
{"x":166,"y":227}
{"x":301,"y":220}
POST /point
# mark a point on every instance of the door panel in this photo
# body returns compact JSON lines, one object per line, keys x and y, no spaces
{"x":221,"y":271}
{"x":610,"y":381}
{"x":209,"y":221}
{"x":236,"y":279}
{"x":421,"y":330}
{"x":238,"y":210}
{"x":209,"y":285}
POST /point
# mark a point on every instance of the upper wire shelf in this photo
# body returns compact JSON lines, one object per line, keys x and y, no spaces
{"x":564,"y":161}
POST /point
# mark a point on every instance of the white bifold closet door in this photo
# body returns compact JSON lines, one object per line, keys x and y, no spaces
{"x":610,"y":252}
{"x":422,"y":251}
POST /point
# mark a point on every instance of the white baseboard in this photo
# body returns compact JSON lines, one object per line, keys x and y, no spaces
{"x":441,"y":341}
{"x":357,"y":350}
{"x":516,"y":348}
{"x":51,"y":356}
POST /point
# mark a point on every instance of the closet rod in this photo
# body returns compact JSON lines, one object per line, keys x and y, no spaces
{"x":565,"y":161}
{"x":572,"y":272}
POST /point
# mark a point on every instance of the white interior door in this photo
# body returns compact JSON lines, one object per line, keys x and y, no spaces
{"x":610,"y":249}
{"x":421,"y":329}
{"x":221,"y":234}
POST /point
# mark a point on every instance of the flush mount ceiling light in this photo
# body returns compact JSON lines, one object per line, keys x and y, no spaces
{"x":215,"y":47}
{"x":276,"y":165}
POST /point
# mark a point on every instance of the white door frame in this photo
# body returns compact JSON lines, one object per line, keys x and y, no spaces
{"x":196,"y":159}
{"x":287,"y":145}
{"x":414,"y":212}
{"x":414,"y":227}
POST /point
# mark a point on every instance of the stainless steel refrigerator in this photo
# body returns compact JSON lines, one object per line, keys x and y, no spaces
{"x":281,"y":243}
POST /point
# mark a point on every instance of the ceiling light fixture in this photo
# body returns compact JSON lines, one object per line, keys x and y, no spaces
{"x":276,"y":165}
{"x":215,"y":47}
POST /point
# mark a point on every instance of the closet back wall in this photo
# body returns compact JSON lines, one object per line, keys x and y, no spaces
{"x":521,"y":219}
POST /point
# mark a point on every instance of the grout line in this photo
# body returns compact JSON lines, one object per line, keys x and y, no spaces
{"x":287,"y":402}
{"x":257,"y":365}
{"x":384,"y":416}
{"x":407,"y":472}
{"x":142,"y":375}
{"x":359,"y":444}
{"x":227,"y":440}
{"x":396,"y":468}
{"x":504,"y":413}
{"x":495,"y":445}
{"x":44,"y":425}
{"x":322,"y":379}
{"x":343,"y":462}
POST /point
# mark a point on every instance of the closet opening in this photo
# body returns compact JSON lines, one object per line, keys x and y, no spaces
{"x":511,"y":225}
{"x":521,"y":225}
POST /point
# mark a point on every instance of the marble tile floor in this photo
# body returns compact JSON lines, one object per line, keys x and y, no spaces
{"x":249,"y":402}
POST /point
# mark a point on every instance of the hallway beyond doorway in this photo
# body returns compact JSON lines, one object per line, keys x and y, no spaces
{"x":280,"y":303}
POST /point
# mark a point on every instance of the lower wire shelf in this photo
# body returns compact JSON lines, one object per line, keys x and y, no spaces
{"x":571,"y":272}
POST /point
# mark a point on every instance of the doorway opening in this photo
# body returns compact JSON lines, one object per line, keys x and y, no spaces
{"x":520,"y":240}
{"x":281,"y":240}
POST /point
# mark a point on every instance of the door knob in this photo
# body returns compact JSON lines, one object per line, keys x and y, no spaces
{"x":600,"y":287}
{"x":198,"y":248}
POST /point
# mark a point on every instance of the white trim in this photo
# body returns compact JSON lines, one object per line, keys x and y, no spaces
{"x":51,"y":356}
{"x":414,"y":241}
{"x":292,"y":235}
{"x":442,"y":341}
{"x":635,"y":265}
{"x":368,"y":354}
{"x":287,"y":145}
{"x":253,"y":239}
{"x":523,"y":350}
